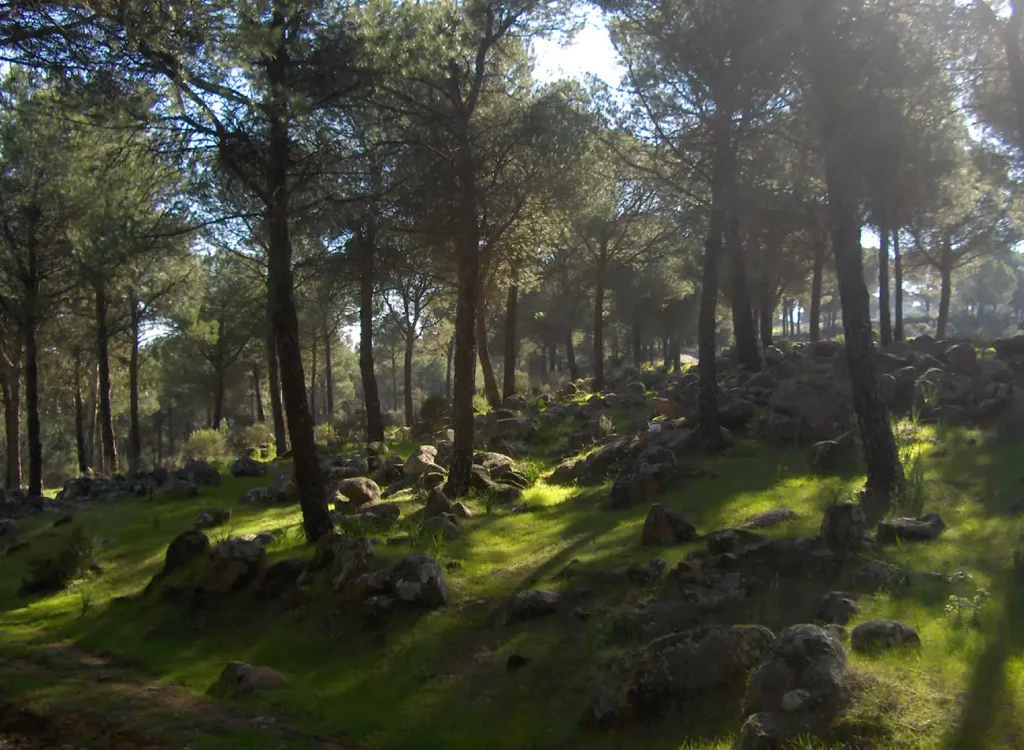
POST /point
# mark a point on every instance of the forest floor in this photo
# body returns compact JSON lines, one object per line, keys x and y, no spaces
{"x":87,"y":668}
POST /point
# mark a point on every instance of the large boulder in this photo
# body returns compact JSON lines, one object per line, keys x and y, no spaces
{"x":1007,"y":349}
{"x":187,"y":547}
{"x":213,"y":517}
{"x":822,"y":408}
{"x":736,"y":412}
{"x":232,"y":564}
{"x":881,"y":635}
{"x":422,"y":460}
{"x":802,"y":683}
{"x":665,"y":525}
{"x":257,"y":496}
{"x":358,"y":491}
{"x":201,"y":473}
{"x":961,"y":358}
{"x":351,"y":558}
{"x":418,"y":580}
{"x":922,"y":529}
{"x":247,"y":466}
{"x":844,"y":527}
{"x":641,"y":684}
{"x":438,"y":504}
{"x":652,"y":471}
{"x":529,"y":605}
{"x":836,"y":607}
{"x":495,"y":463}
{"x":239,"y":679}
{"x":282,"y":484}
{"x":444,"y":526}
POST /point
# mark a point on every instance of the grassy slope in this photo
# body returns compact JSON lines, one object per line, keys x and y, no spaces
{"x":440,"y":680}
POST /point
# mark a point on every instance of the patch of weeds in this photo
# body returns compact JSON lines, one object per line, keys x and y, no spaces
{"x":531,"y":468}
{"x":910,"y":499}
{"x":430,"y":542}
{"x":84,"y":603}
{"x":965,"y":613}
{"x":54,"y":573}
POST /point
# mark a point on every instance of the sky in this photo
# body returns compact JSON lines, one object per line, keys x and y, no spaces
{"x":589,"y":52}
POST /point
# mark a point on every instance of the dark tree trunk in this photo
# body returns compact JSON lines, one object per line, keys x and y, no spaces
{"x":394,"y":380}
{"x":638,"y":344}
{"x":257,"y":389}
{"x":92,"y":436}
{"x":816,"y":279}
{"x":722,"y":170}
{"x":599,"y":325}
{"x":12,"y":425}
{"x":371,"y":394}
{"x":171,"y":447}
{"x":410,"y":343}
{"x":570,"y":357}
{"x":329,"y":372}
{"x":274,"y":385}
{"x":884,"y":317}
{"x":767,"y":320}
{"x":158,"y":426}
{"x":31,"y":323}
{"x":308,"y":476}
{"x":884,"y":471}
{"x":218,"y":397}
{"x":946,"y":272}
{"x":134,"y":430}
{"x":80,"y":449}
{"x":676,"y":364}
{"x":897,"y":271}
{"x":511,"y":341}
{"x":490,"y":382}
{"x":449,"y":355}
{"x":1015,"y":64}
{"x":742,"y":316}
{"x":108,"y":460}
{"x":312,"y":383}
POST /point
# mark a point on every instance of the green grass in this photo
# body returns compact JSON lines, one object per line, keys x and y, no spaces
{"x":439,"y":680}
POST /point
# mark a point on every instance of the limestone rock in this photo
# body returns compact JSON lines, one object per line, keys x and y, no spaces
{"x":424,"y":459}
{"x":443,"y":526}
{"x":232,"y":564}
{"x":418,"y":580}
{"x":239,"y":679}
{"x":881,"y":635}
{"x":201,"y":473}
{"x":665,"y":525}
{"x":437,"y":504}
{"x":213,"y":517}
{"x":922,"y":529}
{"x":359,"y":491}
{"x":844,"y":527}
{"x":184,"y":549}
{"x":246,"y":466}
{"x":837,"y":608}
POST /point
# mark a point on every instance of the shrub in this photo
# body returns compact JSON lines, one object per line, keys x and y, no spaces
{"x":480,"y":405}
{"x":47,"y":575}
{"x":251,"y":437}
{"x":435,"y":411}
{"x":206,"y":445}
{"x":325,"y":434}
{"x":394,"y":418}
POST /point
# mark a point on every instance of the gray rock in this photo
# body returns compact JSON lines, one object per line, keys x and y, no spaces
{"x":844,"y":528}
{"x":213,"y":517}
{"x":639,"y":685}
{"x":419,"y":581}
{"x":529,"y":605}
{"x":769,"y":518}
{"x":437,"y":504}
{"x":350,"y":558}
{"x":881,"y":635}
{"x":665,"y":525}
{"x":240,"y":679}
{"x":257,"y":496}
{"x":961,"y":358}
{"x":201,"y":473}
{"x":422,"y":460}
{"x":9,"y":530}
{"x":232,"y":564}
{"x":441,"y":525}
{"x":380,"y":512}
{"x":760,"y":732}
{"x":922,"y":529}
{"x":187,"y":547}
{"x":359,"y":491}
{"x":246,"y":466}
{"x":837,"y":608}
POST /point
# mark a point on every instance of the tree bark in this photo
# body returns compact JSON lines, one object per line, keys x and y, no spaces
{"x":312,"y":383}
{"x":710,"y":426}
{"x":329,"y":372}
{"x":816,"y":280}
{"x":490,"y":382}
{"x":1015,"y":64}
{"x":91,"y":410}
{"x":570,"y":357}
{"x":511,"y":341}
{"x":274,"y":384}
{"x":767,"y":320}
{"x":410,"y":343}
{"x":80,"y":450}
{"x":742,"y":316}
{"x":257,"y":389}
{"x":637,"y":335}
{"x":897,"y":270}
{"x":946,"y":272}
{"x":31,"y":325}
{"x":134,"y":430}
{"x":308,"y":476}
{"x":371,"y":393}
{"x":449,"y":355}
{"x":884,"y":471}
{"x":108,"y":460}
{"x":12,"y":424}
{"x":884,"y":317}
{"x":218,"y":397}
{"x":599,"y":323}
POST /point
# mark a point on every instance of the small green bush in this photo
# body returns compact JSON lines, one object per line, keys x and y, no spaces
{"x":205,"y":445}
{"x":325,"y":434}
{"x":47,"y":575}
{"x":251,"y":437}
{"x":435,"y":411}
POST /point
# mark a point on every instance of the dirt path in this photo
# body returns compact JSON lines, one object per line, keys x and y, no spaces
{"x":91,"y":703}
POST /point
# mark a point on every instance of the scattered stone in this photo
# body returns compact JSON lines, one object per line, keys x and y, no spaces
{"x":923,"y":529}
{"x":639,"y":685}
{"x":187,"y":547}
{"x":461,"y":510}
{"x":844,"y":528}
{"x":247,"y":466}
{"x":257,"y":496}
{"x":201,"y":473}
{"x":961,"y":358}
{"x":442,"y":526}
{"x":358,"y":491}
{"x":394,"y":541}
{"x":769,"y":518}
{"x":232,"y":564}
{"x":213,"y":517}
{"x":282,"y":578}
{"x":877,"y":575}
{"x":665,"y":525}
{"x":647,"y":574}
{"x":837,"y":608}
{"x":380,"y":512}
{"x":239,"y":679}
{"x":417,"y":580}
{"x":423,"y":460}
{"x":831,"y":455}
{"x":437,"y":504}
{"x":350,"y":558}
{"x":529,"y":605}
{"x":882,"y":635}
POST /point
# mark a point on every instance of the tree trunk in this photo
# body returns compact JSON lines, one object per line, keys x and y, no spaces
{"x":742,"y":316}
{"x":312,"y":383}
{"x":599,"y":324}
{"x":1015,"y":64}
{"x":816,"y":278}
{"x":134,"y":430}
{"x":80,"y":449}
{"x":274,"y":384}
{"x":511,"y":341}
{"x":31,"y":324}
{"x":449,"y":355}
{"x":410,"y":343}
{"x":12,"y":425}
{"x":108,"y":460}
{"x":394,"y":380}
{"x":490,"y":382}
{"x":884,"y":472}
{"x":257,"y":389}
{"x":308,"y":476}
{"x":638,"y":344}
{"x":218,"y":397}
{"x":329,"y":372}
{"x":570,"y":357}
{"x":884,"y":317}
{"x":722,"y":169}
{"x":371,"y":394}
{"x":946,"y":272}
{"x":767,"y":320}
{"x":676,"y":363}
{"x":897,"y":270}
